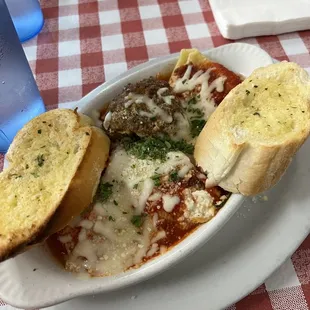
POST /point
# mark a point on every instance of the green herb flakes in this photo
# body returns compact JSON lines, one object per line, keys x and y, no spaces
{"x":174,"y":176}
{"x":104,"y":191}
{"x":111,"y":219}
{"x":154,"y":148}
{"x":115,"y":202}
{"x":168,"y":145}
{"x":156,"y":179}
{"x":16,"y":176}
{"x":137,"y":220}
{"x":197,"y":112}
{"x":192,"y":101}
{"x":197,"y":126}
{"x":39,"y":131}
{"x":40,"y":159}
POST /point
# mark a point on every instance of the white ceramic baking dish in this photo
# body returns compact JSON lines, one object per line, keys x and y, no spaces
{"x":35,"y":280}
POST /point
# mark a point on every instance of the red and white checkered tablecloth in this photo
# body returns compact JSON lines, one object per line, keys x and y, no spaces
{"x":86,"y":42}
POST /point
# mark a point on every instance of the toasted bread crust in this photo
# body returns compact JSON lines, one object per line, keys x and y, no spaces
{"x":250,"y":164}
{"x":90,"y":155}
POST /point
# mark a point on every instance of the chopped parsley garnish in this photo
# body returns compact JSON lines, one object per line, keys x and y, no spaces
{"x":115,"y":202}
{"x":174,"y":176}
{"x":256,"y":113}
{"x":137,"y":220}
{"x":192,"y":101}
{"x":40,"y":159}
{"x":247,"y":92}
{"x":154,"y":148}
{"x":135,"y":186}
{"x":168,"y":144}
{"x":153,"y":118}
{"x":35,"y":174}
{"x":124,"y":212}
{"x":255,"y":86}
{"x":156,"y":179}
{"x":17,"y":176}
{"x":39,"y":131}
{"x":111,"y":219}
{"x":198,"y":112}
{"x":196,"y":126}
{"x":104,"y":191}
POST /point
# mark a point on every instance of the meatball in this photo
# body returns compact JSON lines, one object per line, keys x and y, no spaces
{"x":147,"y":108}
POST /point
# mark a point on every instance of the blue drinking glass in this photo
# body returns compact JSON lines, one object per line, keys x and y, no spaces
{"x":27,"y":17}
{"x":20,"y":100}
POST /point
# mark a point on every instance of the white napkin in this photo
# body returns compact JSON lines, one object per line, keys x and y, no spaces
{"x":247,"y":18}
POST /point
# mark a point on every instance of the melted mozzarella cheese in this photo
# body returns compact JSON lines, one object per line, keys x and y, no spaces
{"x":183,"y":127}
{"x":86,"y":224}
{"x":167,"y":99}
{"x":147,"y":189}
{"x":175,"y":159}
{"x":153,"y":250}
{"x":204,"y":101}
{"x":169,"y":202}
{"x":160,"y":235}
{"x":107,"y":120}
{"x":65,"y":238}
{"x":108,"y":241}
{"x":155,"y":196}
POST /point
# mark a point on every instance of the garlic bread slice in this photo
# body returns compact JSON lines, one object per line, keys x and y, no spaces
{"x":55,"y":163}
{"x":251,"y":138}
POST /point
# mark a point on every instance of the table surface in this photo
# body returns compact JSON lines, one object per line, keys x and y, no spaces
{"x":87,"y":42}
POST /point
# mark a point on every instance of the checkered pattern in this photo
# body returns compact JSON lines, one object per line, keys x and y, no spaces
{"x":86,"y":42}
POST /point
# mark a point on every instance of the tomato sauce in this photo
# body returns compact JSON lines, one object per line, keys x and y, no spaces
{"x":219,"y":70}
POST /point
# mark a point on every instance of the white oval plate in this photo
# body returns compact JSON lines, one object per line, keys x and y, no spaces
{"x":33,"y":280}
